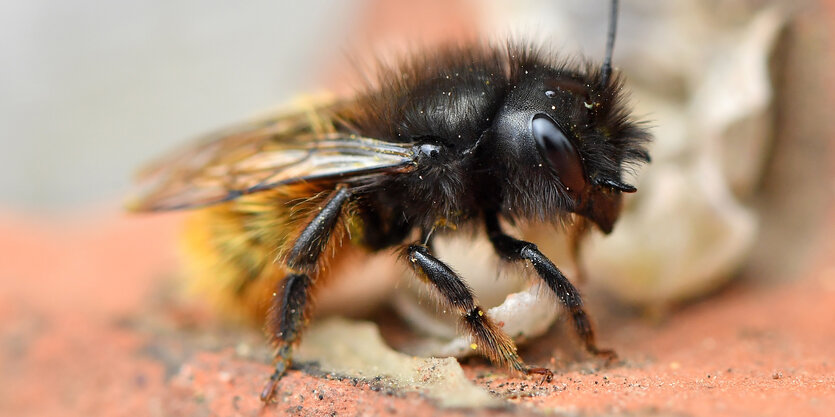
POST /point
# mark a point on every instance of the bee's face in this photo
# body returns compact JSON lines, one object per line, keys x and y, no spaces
{"x":567,"y":138}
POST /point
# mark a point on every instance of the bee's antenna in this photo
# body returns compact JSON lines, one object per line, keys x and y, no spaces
{"x":606,"y":71}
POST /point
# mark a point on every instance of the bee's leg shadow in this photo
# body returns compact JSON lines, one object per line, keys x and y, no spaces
{"x":291,"y":301}
{"x":516,"y":250}
{"x":488,"y":338}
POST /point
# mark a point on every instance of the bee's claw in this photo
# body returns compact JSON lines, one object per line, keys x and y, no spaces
{"x":270,"y":388}
{"x":608,"y":355}
{"x":268,"y":393}
{"x":546,"y":373}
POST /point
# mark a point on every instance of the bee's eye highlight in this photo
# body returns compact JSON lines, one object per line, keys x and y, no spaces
{"x":550,"y":94}
{"x":555,"y":147}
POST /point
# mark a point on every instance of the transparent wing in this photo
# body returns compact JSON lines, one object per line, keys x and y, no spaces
{"x":275,"y":152}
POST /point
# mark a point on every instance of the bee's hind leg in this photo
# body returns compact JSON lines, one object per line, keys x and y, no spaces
{"x":516,"y":250}
{"x":488,"y":338}
{"x":286,"y":319}
{"x":291,"y":301}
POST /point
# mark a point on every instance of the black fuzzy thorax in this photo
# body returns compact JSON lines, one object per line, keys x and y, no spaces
{"x":468,"y":110}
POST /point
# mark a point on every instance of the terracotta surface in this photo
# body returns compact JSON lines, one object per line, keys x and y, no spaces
{"x":88,"y":327}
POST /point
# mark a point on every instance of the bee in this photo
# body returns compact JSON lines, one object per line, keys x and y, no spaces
{"x":457,"y":138}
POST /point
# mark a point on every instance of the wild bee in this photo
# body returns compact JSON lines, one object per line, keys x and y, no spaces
{"x":455,"y":138}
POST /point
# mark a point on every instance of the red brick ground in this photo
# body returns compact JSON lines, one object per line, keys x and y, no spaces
{"x":87,"y":327}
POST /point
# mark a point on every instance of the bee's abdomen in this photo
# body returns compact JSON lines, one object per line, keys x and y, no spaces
{"x":235,"y":252}
{"x":229,"y":258}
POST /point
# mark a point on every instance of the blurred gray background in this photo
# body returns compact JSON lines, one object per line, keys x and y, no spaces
{"x":90,"y":90}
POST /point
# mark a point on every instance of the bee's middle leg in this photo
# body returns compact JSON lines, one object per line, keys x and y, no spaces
{"x":516,"y":250}
{"x":487,"y":336}
{"x":291,"y":300}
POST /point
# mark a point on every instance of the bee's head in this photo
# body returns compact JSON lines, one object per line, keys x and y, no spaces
{"x":566,"y":138}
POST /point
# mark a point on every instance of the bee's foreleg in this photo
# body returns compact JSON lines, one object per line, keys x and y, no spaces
{"x":515,"y":250}
{"x":576,"y":232}
{"x":487,"y":336}
{"x":291,"y":300}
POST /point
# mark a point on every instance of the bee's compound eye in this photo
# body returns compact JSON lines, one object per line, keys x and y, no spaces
{"x":555,"y":147}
